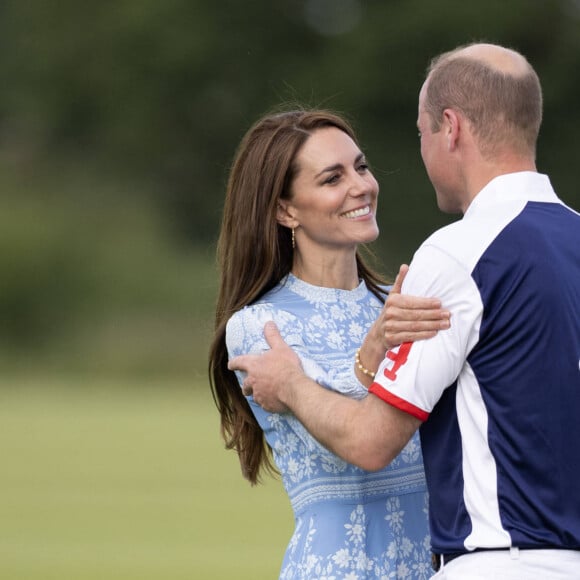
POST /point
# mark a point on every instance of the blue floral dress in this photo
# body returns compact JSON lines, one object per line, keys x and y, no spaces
{"x":350,"y":523}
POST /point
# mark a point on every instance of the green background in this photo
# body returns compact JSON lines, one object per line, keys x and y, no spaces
{"x":118,"y":122}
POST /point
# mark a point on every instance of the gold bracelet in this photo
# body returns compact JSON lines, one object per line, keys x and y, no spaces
{"x":360,"y":367}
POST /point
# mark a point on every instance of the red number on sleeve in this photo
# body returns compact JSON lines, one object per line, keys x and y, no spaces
{"x":399,"y":359}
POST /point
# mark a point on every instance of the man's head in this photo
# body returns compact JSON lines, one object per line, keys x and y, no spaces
{"x":494,"y":95}
{"x":495,"y":88}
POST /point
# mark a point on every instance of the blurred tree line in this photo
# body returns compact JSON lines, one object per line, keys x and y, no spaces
{"x":119,"y":119}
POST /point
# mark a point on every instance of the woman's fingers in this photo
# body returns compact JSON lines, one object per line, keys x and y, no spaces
{"x":404,"y":301}
{"x":397,"y":317}
{"x":396,"y":288}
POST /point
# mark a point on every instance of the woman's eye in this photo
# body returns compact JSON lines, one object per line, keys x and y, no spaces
{"x":363,"y":167}
{"x":332,"y":179}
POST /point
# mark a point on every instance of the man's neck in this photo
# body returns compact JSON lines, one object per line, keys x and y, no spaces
{"x":485,"y":172}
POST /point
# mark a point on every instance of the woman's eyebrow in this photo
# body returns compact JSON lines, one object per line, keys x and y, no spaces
{"x":336,"y":166}
{"x":329,"y":169}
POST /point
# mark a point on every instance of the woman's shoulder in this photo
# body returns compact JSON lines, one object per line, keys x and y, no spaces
{"x":259,"y":312}
{"x":279,"y":304}
{"x":247,"y":325}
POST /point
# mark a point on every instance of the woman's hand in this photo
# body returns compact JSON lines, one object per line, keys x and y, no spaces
{"x":402,"y":319}
{"x":410,"y":318}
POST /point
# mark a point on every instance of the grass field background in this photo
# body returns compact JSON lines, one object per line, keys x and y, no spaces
{"x":124,"y":481}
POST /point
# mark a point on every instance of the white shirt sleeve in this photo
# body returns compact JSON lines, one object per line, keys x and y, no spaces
{"x":413,"y":376}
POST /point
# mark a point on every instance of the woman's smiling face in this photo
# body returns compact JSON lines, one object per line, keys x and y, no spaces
{"x":334,"y":194}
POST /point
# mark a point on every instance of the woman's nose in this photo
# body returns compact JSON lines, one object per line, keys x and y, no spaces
{"x":362,"y":184}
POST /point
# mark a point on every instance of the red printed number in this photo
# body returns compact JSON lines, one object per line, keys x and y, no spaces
{"x":399,"y":359}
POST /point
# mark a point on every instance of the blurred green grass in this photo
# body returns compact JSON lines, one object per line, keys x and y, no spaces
{"x":110,"y":480}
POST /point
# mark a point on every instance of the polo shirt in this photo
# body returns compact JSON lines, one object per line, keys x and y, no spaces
{"x":499,"y":392}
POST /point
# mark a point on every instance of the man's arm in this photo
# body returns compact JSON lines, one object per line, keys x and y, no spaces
{"x":368,"y":432}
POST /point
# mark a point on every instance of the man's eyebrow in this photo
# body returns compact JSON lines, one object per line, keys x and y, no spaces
{"x":336,"y":166}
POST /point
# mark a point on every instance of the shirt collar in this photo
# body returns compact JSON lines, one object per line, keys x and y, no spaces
{"x":523,"y":185}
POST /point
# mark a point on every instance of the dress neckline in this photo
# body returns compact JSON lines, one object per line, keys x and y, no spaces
{"x":322,"y":293}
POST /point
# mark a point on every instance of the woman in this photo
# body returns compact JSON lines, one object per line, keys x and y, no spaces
{"x":300,"y":199}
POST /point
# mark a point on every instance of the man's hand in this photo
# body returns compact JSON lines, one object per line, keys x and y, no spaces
{"x":367,"y":432}
{"x":270,"y":375}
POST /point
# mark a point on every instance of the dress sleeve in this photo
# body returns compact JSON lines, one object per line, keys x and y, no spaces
{"x":245,"y":335}
{"x":413,"y":376}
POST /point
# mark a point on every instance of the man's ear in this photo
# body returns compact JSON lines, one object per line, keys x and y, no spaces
{"x":451,"y":126}
{"x":285,"y":214}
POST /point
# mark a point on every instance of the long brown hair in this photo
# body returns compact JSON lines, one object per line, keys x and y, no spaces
{"x":255,"y":253}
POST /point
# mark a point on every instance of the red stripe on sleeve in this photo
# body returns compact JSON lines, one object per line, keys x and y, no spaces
{"x":397,"y":402}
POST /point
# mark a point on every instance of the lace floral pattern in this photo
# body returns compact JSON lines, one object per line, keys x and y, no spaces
{"x":402,"y":558}
{"x":350,"y":523}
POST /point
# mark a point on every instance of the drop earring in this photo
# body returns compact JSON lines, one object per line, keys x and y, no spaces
{"x":293,"y":239}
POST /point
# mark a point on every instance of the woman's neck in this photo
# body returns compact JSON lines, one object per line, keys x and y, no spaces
{"x":328,"y":273}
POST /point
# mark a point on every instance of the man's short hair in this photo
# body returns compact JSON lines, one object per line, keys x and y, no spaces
{"x":504,"y":109}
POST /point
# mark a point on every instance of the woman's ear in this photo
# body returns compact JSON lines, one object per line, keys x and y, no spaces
{"x":285,"y":214}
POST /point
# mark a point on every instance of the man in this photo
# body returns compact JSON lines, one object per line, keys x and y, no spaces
{"x":498,"y":395}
